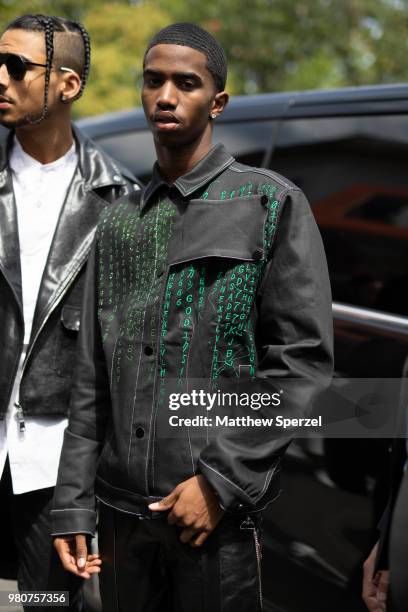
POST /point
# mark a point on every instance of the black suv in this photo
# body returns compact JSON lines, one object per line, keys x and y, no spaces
{"x":347,"y":150}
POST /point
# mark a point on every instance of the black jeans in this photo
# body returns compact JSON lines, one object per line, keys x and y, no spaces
{"x":26,"y":518}
{"x":147,"y":569}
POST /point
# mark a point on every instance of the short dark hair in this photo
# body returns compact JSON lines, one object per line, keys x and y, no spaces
{"x":191,"y":35}
{"x":71,"y":48}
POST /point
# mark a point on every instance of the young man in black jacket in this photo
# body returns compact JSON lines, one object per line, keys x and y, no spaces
{"x":215,"y":273}
{"x":54,"y":183}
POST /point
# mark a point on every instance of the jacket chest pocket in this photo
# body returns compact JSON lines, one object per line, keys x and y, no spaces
{"x":66,"y":340}
{"x":224,"y":229}
{"x":217,"y":251}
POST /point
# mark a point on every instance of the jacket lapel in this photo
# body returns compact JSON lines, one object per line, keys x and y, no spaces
{"x":9,"y":245}
{"x":70,"y":246}
{"x":75,"y":228}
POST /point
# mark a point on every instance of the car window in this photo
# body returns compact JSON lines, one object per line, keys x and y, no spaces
{"x":353,"y":172}
{"x":134,"y":149}
{"x":247,"y":141}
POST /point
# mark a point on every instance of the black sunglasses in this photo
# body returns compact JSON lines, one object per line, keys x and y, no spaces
{"x":16,"y":65}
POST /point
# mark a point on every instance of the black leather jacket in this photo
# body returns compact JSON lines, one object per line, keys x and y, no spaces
{"x":47,"y":376}
{"x":220,"y":276}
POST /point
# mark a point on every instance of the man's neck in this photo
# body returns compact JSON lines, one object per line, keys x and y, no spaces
{"x":175,"y":162}
{"x":46,"y":142}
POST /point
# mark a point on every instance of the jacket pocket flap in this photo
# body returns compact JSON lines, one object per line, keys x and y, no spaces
{"x":220,"y":228}
{"x":71,"y":317}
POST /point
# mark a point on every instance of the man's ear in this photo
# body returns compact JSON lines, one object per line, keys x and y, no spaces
{"x":219,"y":103}
{"x":70,"y":86}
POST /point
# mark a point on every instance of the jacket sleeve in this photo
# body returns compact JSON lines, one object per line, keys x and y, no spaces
{"x":74,"y":499}
{"x":294,"y":338}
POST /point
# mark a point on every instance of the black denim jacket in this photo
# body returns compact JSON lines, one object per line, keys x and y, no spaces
{"x":221,"y":276}
{"x":47,"y":376}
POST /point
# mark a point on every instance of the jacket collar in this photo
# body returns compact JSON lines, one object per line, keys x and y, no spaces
{"x":9,"y":243}
{"x":206,"y":169}
{"x":97,"y":170}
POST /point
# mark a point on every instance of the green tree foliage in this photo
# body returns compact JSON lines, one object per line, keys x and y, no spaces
{"x":272,"y":45}
{"x":276,"y":45}
{"x":119,"y":34}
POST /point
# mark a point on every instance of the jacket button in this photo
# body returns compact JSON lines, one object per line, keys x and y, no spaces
{"x":148,"y":350}
{"x":264,"y":200}
{"x":257,"y":255}
{"x":140,"y":432}
{"x":116,"y":178}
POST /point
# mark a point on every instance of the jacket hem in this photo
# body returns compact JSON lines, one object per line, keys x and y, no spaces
{"x":125,"y":500}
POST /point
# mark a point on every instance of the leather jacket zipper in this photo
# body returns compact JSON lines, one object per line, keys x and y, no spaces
{"x":20,"y":417}
{"x":249,"y":524}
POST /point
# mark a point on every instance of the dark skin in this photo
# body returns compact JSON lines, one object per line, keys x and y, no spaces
{"x":177,"y":83}
{"x":375,"y":587}
{"x":179,"y":96}
{"x":52,"y":137}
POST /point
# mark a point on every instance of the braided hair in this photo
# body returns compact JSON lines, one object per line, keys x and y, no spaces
{"x":78,"y":60}
{"x":49,"y":50}
{"x":87,"y":52}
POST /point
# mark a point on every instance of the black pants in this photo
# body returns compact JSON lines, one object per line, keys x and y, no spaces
{"x":145,"y":567}
{"x":26,"y":521}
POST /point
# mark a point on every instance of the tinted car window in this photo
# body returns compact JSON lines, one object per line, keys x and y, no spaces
{"x":134,"y":149}
{"x":352,"y":172}
{"x":247,"y":141}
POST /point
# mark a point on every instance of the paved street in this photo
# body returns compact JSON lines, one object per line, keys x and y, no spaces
{"x":9,"y":585}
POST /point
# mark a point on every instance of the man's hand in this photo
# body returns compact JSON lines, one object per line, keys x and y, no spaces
{"x":74,"y":556}
{"x":193,"y":505}
{"x":375,"y":588}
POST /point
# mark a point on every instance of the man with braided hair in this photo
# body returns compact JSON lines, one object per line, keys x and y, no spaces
{"x":54,"y":183}
{"x":214,"y":273}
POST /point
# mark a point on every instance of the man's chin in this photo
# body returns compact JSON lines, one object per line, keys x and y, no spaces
{"x":172,"y":139}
